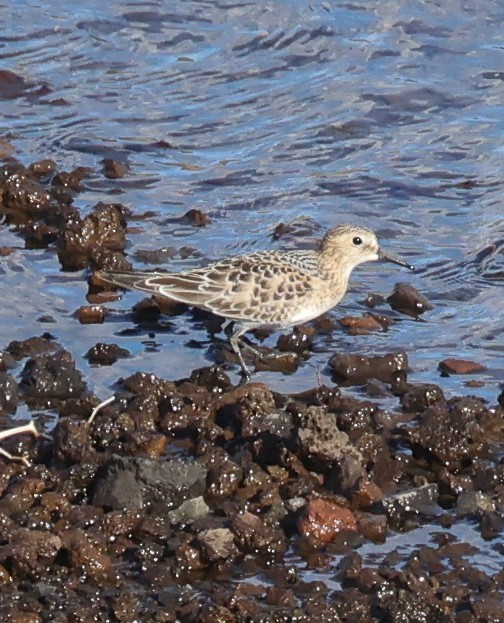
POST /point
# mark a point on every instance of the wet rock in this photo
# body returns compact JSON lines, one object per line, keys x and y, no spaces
{"x":407,"y":300}
{"x":113,"y":169}
{"x":281,"y":230}
{"x":488,"y":608}
{"x":106,"y":354}
{"x":147,"y":443}
{"x":299,"y":341}
{"x":403,"y":506}
{"x":492,"y":525}
{"x":189,"y":511}
{"x":92,"y":239}
{"x":216,"y":544}
{"x":29,"y":549}
{"x":91,"y":314}
{"x":52,"y":376}
{"x":459,"y":366}
{"x":251,"y":410}
{"x":328,"y":448}
{"x":224,"y":475}
{"x":71,"y":180}
{"x":136,"y":483}
{"x":193,"y":217}
{"x":357,"y":369}
{"x":85,"y":555}
{"x":419,"y":397}
{"x":366,"y":494}
{"x":149,"y":384}
{"x":7,"y":149}
{"x":32,"y":346}
{"x":323,"y":520}
{"x":43,"y":168}
{"x":213,"y":378}
{"x":373,"y":527}
{"x":255,"y":537}
{"x":8,"y":393}
{"x":365,"y":324}
{"x":273,"y":361}
{"x":155,"y":256}
{"x":72,"y":443}
{"x":23,"y":198}
{"x":453,"y":433}
{"x":373,"y":300}
{"x":472,"y":502}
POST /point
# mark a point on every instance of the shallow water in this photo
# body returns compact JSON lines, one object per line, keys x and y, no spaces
{"x":388,"y":114}
{"x":383,"y":113}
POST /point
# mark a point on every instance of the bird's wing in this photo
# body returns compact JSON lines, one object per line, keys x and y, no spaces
{"x":242,"y":287}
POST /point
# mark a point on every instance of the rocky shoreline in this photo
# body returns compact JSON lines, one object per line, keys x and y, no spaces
{"x":189,"y":499}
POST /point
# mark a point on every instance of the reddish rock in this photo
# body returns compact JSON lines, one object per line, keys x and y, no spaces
{"x":324,"y":520}
{"x":460,"y":366}
{"x":365,"y":324}
{"x":91,"y":314}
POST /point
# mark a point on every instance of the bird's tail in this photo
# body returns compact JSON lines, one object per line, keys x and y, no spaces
{"x":128,"y":280}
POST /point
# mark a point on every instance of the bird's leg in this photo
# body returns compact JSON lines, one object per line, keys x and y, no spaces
{"x":234,"y":340}
{"x":251,"y":348}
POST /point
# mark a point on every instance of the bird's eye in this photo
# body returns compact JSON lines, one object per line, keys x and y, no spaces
{"x":357,"y":240}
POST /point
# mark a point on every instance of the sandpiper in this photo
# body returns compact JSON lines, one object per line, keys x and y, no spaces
{"x":275,"y":289}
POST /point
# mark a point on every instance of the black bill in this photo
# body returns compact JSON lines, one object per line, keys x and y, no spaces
{"x":395,"y":260}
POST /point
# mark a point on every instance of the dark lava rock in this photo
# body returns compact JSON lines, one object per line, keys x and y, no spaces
{"x":473,"y":502}
{"x":106,"y":354}
{"x":136,"y":483}
{"x":273,"y":361}
{"x":43,"y":168}
{"x":299,"y":341}
{"x":155,"y":256}
{"x":32,"y":346}
{"x":406,"y":299}
{"x":419,"y":397}
{"x":86,"y":555}
{"x":224,"y":475}
{"x":93,"y":239}
{"x":251,"y":410}
{"x":52,"y":376}
{"x":373,"y":300}
{"x":30,"y":550}
{"x":71,"y":180}
{"x":325,"y":446}
{"x":22,"y":197}
{"x":72,"y":443}
{"x":421,"y":501}
{"x":358,"y":369}
{"x":255,"y":537}
{"x":455,"y":432}
{"x":113,"y":169}
{"x":8,"y":393}
{"x":212,"y":378}
{"x":193,"y":217}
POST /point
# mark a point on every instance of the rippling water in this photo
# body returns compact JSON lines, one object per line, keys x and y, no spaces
{"x":385,"y":113}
